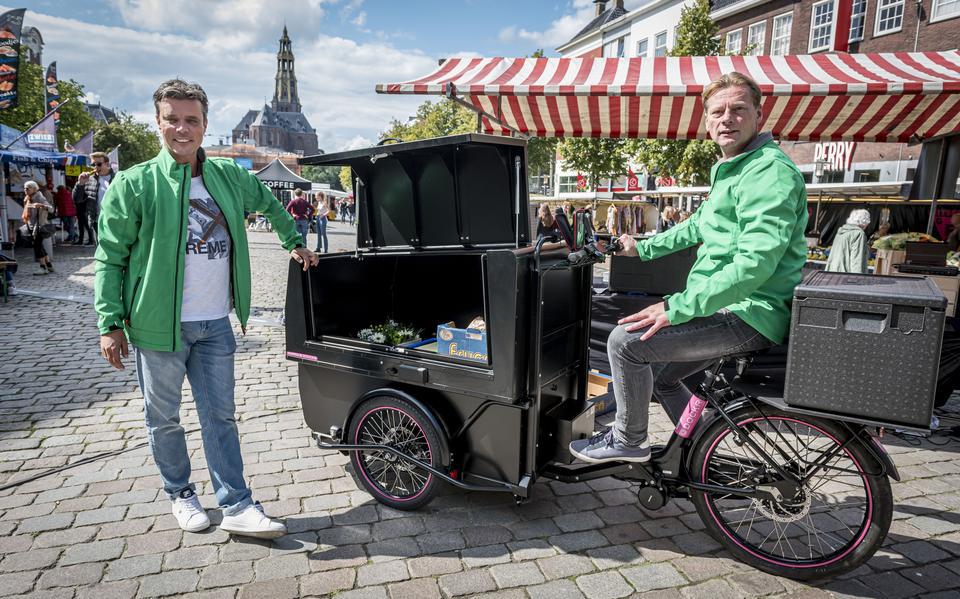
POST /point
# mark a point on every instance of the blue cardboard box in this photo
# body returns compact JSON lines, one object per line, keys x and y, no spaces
{"x":468,"y":344}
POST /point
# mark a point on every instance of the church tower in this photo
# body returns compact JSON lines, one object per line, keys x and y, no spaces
{"x":285,"y":97}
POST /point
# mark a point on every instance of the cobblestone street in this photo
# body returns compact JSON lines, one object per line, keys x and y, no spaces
{"x":88,"y":518}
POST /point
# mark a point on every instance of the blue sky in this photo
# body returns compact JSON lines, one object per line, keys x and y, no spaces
{"x":121,"y":49}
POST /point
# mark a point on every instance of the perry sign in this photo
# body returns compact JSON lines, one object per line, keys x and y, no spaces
{"x":838,"y":155}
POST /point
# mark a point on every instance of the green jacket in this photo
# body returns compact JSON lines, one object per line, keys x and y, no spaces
{"x":849,"y":251}
{"x":753,"y":246}
{"x":142,"y":244}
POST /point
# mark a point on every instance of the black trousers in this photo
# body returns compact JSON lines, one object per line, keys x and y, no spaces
{"x":83,"y":222}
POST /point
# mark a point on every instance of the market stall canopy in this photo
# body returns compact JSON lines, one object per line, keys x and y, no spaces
{"x":904,"y":96}
{"x":276,"y":175}
{"x":24,"y":155}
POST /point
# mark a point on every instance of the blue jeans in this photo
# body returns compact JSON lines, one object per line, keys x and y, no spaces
{"x":303,"y":227}
{"x":657,"y":366}
{"x":207,"y":361}
{"x":322,"y":234}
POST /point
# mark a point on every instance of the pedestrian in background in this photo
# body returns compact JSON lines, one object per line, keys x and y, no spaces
{"x":849,"y":251}
{"x":67,"y":212}
{"x":546,"y":222}
{"x":173,"y":298}
{"x":352,"y":211}
{"x":323,"y":210}
{"x":302,"y":213}
{"x":80,"y":203}
{"x":36,"y":214}
{"x":94,"y":187}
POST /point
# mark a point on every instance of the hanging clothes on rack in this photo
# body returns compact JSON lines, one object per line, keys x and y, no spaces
{"x":612,"y":214}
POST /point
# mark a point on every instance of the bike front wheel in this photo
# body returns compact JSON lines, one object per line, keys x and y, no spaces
{"x":836,"y":522}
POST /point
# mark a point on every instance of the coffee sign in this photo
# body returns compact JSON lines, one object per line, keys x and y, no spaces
{"x":838,"y":155}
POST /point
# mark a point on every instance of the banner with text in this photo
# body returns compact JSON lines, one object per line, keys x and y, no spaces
{"x":53,"y":94}
{"x":11,"y":22}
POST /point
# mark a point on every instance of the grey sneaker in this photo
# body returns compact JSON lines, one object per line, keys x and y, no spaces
{"x":602,"y":447}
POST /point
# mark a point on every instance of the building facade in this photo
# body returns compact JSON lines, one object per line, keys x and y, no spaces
{"x":33,"y":42}
{"x":281,"y":124}
{"x":778,"y":27}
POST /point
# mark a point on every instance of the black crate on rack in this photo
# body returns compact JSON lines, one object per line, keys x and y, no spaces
{"x":866,"y":347}
{"x":667,"y":274}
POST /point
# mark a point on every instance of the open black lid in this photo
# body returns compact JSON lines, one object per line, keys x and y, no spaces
{"x":447,"y":192}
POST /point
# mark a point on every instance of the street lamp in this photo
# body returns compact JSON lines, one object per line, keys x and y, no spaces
{"x":819,"y":167}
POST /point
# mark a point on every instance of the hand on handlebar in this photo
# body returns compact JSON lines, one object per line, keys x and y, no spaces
{"x":654,"y":316}
{"x":629,"y":245}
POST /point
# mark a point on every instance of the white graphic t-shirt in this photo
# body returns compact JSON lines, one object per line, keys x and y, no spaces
{"x":206,"y":275}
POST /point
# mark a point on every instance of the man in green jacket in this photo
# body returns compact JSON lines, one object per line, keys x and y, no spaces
{"x":738,"y":293}
{"x":172,"y":263}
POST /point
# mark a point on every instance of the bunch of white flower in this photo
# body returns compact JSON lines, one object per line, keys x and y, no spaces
{"x":378,"y":338}
{"x":365,"y":334}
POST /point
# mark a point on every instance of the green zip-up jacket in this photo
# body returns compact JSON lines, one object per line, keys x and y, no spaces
{"x":142,"y":244}
{"x":753,"y":246}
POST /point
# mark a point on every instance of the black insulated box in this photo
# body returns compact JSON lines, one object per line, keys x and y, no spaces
{"x":667,"y":274}
{"x":866,"y":348}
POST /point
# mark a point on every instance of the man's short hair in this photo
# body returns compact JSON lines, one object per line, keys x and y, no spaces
{"x":298,"y":192}
{"x":733,"y":79}
{"x":178,"y":89}
{"x":96,"y":155}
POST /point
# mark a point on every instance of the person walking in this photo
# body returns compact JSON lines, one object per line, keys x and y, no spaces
{"x":323,"y":210}
{"x":738,"y":294}
{"x":67,"y":212}
{"x":36,"y":214}
{"x":80,"y":203}
{"x":302,"y":212}
{"x":171,"y":264}
{"x":94,"y":186}
{"x":849,"y":251}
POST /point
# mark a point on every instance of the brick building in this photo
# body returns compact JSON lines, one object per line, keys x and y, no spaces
{"x":776,"y":27}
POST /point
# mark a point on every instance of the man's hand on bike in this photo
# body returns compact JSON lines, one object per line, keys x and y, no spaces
{"x":629,"y":246}
{"x":654,"y":316}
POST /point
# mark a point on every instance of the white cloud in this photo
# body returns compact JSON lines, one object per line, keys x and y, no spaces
{"x":122,"y":67}
{"x":361,"y":19}
{"x":561,"y":30}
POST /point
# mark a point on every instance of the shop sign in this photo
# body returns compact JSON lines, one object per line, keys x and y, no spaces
{"x":838,"y":155}
{"x":74,"y":170}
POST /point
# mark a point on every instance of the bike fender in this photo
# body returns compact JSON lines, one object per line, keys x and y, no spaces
{"x":875,"y":449}
{"x":399,"y":394}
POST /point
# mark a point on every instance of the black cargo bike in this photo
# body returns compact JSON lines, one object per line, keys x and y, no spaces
{"x":795,"y":487}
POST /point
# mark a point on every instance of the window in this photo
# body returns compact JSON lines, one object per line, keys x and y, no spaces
{"x":755,"y":35}
{"x":733,"y":41}
{"x":945,"y":9}
{"x":660,"y":44}
{"x":910,"y":173}
{"x":889,"y":16}
{"x":807,"y":177}
{"x":831,"y":177}
{"x":615,"y":48}
{"x":780,"y":42}
{"x":568,"y":184}
{"x":642,"y":48}
{"x":857,"y":16}
{"x":821,"y":26}
{"x":868,"y":176}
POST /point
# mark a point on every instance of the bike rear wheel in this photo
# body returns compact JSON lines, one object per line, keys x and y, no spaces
{"x":836,"y":523}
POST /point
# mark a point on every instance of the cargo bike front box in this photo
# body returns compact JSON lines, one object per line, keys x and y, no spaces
{"x":443,"y":235}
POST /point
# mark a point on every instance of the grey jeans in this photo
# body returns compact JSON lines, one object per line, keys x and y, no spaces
{"x":656,"y":367}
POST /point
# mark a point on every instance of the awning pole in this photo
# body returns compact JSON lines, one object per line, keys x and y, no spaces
{"x":452,"y":94}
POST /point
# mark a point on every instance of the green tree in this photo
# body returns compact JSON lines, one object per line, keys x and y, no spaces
{"x":597,"y":158}
{"x":688,"y":162}
{"x":31,"y":105}
{"x":323,"y":174}
{"x":541,"y":154}
{"x":137,"y":140}
{"x":346,"y":179}
{"x":444,"y":117}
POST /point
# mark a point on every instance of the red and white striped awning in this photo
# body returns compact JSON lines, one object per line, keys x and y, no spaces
{"x":853,"y":97}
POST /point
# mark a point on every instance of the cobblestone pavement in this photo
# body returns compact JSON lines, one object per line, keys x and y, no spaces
{"x":101,"y":527}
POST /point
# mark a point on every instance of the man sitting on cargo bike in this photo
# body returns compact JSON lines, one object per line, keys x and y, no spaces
{"x":738,"y":293}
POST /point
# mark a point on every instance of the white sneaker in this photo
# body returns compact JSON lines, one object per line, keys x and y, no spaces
{"x":252,"y":522}
{"x":189,"y":513}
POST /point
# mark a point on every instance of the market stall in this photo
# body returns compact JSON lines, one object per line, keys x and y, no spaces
{"x":279,"y":178}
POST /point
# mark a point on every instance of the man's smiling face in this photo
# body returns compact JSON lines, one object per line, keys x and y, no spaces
{"x":732,"y":119}
{"x":182,"y":126}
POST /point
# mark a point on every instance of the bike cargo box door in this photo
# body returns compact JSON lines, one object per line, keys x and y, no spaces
{"x":866,"y":347}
